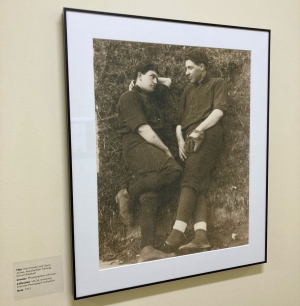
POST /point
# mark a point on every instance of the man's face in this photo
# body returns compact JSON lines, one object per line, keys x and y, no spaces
{"x":148,"y":81}
{"x":193,"y":71}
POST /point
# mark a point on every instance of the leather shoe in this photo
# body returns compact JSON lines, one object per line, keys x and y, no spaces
{"x":169,"y":248}
{"x":194,"y":247}
{"x":149,"y":253}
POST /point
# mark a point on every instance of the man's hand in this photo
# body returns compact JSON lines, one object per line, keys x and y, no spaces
{"x":182,"y":153}
{"x":180,"y":140}
{"x":194,"y":141}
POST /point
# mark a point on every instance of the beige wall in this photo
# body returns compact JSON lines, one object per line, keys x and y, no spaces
{"x":34,"y":186}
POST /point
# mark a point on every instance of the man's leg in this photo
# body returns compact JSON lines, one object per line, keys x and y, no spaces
{"x":196,"y":177}
{"x":155,"y":171}
{"x":200,"y":242}
{"x":185,"y":210}
{"x":200,"y":211}
{"x":165,"y":173}
{"x":149,"y":207}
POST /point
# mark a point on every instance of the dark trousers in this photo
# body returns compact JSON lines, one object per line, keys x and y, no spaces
{"x":153,"y":168}
{"x":199,"y":165}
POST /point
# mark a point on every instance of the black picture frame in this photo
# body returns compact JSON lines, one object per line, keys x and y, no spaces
{"x":81,"y":27}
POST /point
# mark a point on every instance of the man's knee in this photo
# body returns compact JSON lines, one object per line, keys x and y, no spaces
{"x":172,"y":169}
{"x":174,"y":176}
{"x":175,"y":166}
{"x":169,"y":173}
{"x":176,"y":171}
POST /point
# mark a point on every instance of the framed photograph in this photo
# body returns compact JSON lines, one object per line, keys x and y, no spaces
{"x":168,"y":137}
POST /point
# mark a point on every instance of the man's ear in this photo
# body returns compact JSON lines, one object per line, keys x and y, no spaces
{"x":140,"y":76}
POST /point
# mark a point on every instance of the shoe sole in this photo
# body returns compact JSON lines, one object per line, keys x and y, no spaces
{"x":192,"y":250}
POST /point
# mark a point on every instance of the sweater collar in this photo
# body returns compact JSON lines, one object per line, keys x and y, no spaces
{"x":205,"y":80}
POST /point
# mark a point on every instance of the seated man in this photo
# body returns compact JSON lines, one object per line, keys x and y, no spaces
{"x":199,"y":135}
{"x":141,"y":126}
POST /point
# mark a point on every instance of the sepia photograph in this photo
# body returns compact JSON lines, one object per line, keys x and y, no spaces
{"x":172,"y":149}
{"x":168,"y":135}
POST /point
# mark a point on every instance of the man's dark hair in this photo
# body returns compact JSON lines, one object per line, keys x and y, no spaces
{"x":144,"y":67}
{"x":197,"y":56}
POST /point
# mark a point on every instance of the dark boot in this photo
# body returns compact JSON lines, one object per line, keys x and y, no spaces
{"x":199,"y":244}
{"x":149,"y":253}
{"x":123,"y":200}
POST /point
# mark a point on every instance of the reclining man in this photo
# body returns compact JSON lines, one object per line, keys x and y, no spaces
{"x":199,"y":136}
{"x":142,"y":125}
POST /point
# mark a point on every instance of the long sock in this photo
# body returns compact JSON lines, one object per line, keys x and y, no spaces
{"x":149,"y":206}
{"x":200,"y":211}
{"x":185,"y":209}
{"x":176,"y":236}
{"x":186,"y":204}
{"x":200,"y":226}
{"x":200,"y":220}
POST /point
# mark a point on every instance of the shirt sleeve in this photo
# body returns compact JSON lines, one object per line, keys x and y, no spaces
{"x":131,"y":111}
{"x":220,"y":95}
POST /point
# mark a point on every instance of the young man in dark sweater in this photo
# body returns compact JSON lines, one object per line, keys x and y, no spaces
{"x":199,"y":136}
{"x":142,"y":128}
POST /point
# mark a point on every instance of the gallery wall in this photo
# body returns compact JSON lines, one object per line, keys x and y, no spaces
{"x":34,"y":183}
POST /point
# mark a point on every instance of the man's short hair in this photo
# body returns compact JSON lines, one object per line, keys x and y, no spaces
{"x":197,"y":56}
{"x":144,"y":67}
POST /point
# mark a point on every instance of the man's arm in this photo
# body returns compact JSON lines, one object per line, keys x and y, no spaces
{"x":150,"y":136}
{"x":210,"y":121}
{"x":162,"y":81}
{"x":220,"y":105}
{"x":181,"y":142}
